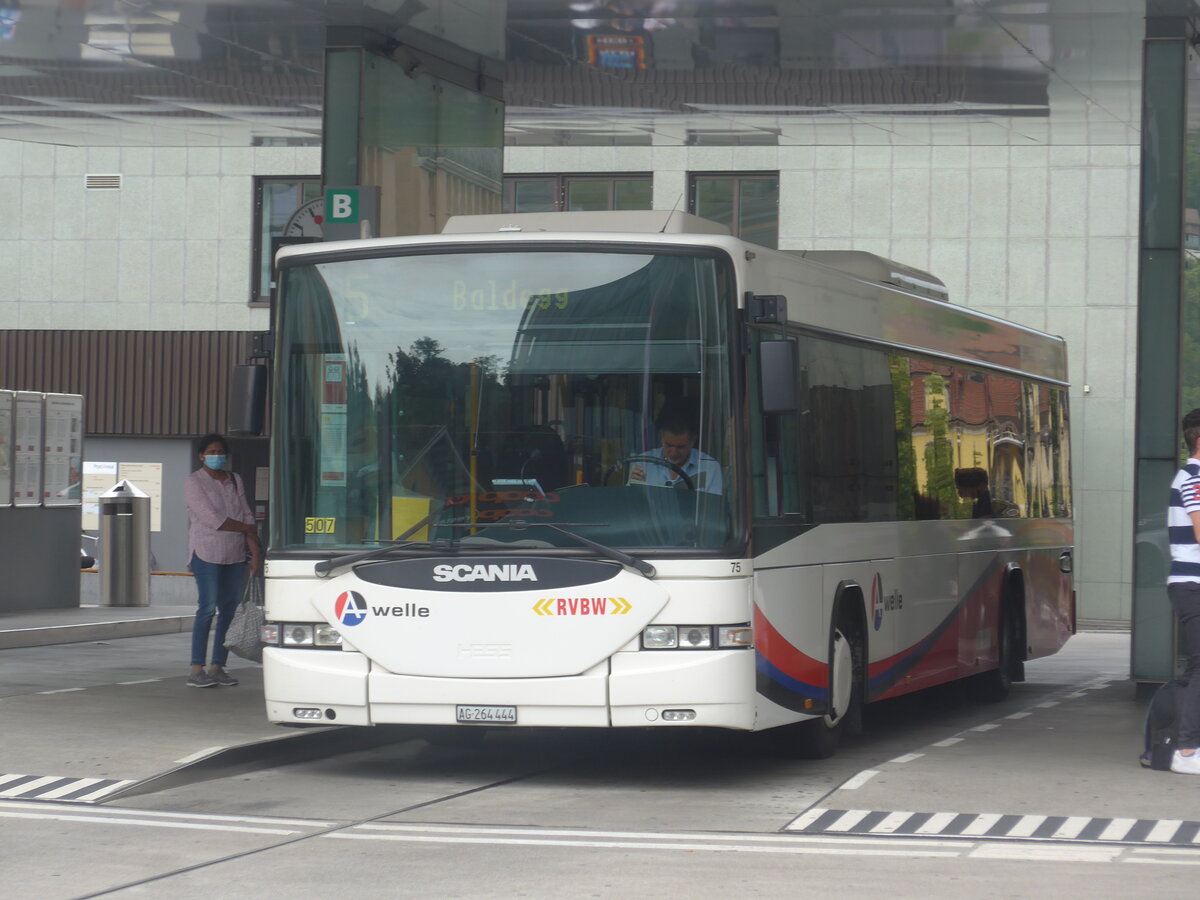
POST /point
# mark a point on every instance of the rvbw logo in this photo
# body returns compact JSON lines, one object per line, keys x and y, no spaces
{"x":506,"y":572}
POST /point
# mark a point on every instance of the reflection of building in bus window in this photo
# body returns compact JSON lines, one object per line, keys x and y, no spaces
{"x":972,"y":485}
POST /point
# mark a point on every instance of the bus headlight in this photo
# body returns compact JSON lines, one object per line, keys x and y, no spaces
{"x":326,"y":636}
{"x":296,"y":635}
{"x":697,"y":637}
{"x":302,"y":635}
{"x":735,"y":636}
{"x":660,"y":637}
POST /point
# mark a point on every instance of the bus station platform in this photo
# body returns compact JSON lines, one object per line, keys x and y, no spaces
{"x":90,"y":622}
{"x":93,"y":718}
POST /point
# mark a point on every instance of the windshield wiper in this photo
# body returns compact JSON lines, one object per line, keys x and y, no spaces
{"x":611,"y":552}
{"x":325,"y":566}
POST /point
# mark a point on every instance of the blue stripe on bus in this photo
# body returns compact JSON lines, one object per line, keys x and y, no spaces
{"x":881,"y":683}
{"x":764,"y":667}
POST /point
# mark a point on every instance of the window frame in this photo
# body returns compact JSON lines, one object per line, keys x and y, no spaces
{"x":257,"y":298}
{"x":561,"y":186}
{"x":738,"y":179}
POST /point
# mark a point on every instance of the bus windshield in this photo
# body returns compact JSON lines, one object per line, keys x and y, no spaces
{"x":467,"y":395}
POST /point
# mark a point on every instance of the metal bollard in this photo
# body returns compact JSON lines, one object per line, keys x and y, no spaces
{"x":124,"y":546}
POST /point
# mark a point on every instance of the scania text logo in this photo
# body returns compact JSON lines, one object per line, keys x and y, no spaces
{"x":505,"y":572}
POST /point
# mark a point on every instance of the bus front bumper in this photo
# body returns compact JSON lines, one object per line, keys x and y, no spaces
{"x":713,"y":689}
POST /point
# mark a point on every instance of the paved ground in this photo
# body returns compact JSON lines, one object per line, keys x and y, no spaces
{"x":106,"y":714}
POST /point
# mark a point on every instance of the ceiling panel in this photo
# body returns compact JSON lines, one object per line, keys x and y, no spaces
{"x":248,"y":72}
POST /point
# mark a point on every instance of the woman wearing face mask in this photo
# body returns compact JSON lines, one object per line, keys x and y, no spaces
{"x":221,"y":534}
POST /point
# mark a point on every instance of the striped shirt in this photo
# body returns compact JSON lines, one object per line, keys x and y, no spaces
{"x":209,"y":503}
{"x":1185,"y":500}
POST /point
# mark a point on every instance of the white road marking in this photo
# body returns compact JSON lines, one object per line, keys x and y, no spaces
{"x":1163,"y":831}
{"x":1049,"y":704}
{"x":1071,"y":828}
{"x":1019,"y":715}
{"x":805,"y":819}
{"x":75,"y":785}
{"x":143,"y":681}
{"x":786,"y":839}
{"x":906,"y":758}
{"x":935,"y":823}
{"x":650,"y":844}
{"x":109,"y":820}
{"x":62,"y":691}
{"x":1046,"y":852}
{"x":848,"y":820}
{"x":105,"y":791}
{"x":982,"y":824}
{"x":948,"y":742}
{"x":1026,"y":826}
{"x":859,"y":780}
{"x":891,"y":822}
{"x":988,"y":727}
{"x":1117,"y":829}
{"x":25,"y":805}
{"x":30,"y":785}
{"x":1164,"y":862}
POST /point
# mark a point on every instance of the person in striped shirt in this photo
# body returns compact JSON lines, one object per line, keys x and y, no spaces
{"x":1183,"y":589}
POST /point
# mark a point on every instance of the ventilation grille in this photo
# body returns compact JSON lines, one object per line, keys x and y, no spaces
{"x":103,"y":182}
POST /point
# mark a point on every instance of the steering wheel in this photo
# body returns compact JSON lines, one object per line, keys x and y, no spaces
{"x":656,"y":460}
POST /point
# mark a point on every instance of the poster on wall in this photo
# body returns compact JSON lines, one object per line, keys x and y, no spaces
{"x":148,"y":478}
{"x":62,"y":450}
{"x":333,"y":421}
{"x":98,"y":477}
{"x":6,"y":447}
{"x":27,"y":449}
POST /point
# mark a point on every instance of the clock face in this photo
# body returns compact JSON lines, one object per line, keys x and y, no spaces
{"x":307,"y":220}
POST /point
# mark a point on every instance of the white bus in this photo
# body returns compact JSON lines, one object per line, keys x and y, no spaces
{"x":624,"y":470}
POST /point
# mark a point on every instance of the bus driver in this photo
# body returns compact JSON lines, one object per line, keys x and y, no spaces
{"x":679,"y":434}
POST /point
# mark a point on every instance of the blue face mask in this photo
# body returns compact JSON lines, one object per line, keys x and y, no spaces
{"x":216,"y":461}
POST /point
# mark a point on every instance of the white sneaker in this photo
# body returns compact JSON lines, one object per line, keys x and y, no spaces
{"x":1185,"y":765}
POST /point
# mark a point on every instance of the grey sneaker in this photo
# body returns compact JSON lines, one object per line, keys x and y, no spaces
{"x":220,"y":676}
{"x":200,"y":679}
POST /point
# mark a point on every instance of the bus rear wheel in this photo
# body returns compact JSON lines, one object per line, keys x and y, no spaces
{"x":819,"y":738}
{"x":993,"y":686}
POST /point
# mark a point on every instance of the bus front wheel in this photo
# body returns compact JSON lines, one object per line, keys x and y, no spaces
{"x":819,"y":738}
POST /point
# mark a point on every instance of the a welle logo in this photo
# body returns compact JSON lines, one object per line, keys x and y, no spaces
{"x":467,"y":573}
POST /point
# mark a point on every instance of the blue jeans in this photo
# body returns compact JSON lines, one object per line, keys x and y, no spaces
{"x":220,"y":588}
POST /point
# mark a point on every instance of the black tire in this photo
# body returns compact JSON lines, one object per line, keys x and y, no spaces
{"x":819,"y":738}
{"x":995,"y":685}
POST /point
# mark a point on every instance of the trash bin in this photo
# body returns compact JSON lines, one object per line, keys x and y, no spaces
{"x":124,"y":546}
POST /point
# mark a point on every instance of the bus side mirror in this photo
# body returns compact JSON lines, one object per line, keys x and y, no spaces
{"x":777,"y":376}
{"x":248,"y":399}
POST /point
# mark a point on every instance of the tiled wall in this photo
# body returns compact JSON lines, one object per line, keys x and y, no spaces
{"x":1045,"y":235}
{"x":170,"y":250}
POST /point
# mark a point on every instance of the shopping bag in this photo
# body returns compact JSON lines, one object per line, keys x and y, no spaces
{"x":244,"y":637}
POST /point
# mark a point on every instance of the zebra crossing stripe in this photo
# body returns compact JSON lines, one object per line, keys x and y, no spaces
{"x":58,"y":787}
{"x":991,"y":826}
